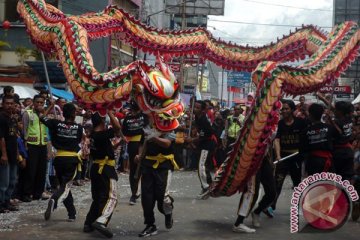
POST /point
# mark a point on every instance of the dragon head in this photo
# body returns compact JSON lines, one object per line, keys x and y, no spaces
{"x":156,"y":93}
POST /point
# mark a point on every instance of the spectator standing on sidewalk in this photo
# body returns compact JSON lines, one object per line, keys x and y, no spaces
{"x":233,"y":125}
{"x":35,"y":134}
{"x":9,"y":154}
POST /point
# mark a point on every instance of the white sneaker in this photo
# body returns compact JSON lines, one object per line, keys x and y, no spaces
{"x":242,"y":228}
{"x":255,"y":219}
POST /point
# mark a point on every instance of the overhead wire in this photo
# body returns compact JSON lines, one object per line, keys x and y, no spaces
{"x":288,"y":6}
{"x":262,"y":24}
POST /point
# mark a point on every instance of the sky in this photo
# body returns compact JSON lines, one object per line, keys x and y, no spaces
{"x":293,"y":12}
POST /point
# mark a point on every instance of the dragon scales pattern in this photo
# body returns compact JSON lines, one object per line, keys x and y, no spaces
{"x":156,"y":89}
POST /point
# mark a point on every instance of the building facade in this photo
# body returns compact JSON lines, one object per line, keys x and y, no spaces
{"x":349,"y":10}
{"x":105,"y":55}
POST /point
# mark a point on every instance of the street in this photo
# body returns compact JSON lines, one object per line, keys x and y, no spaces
{"x":193,"y":219}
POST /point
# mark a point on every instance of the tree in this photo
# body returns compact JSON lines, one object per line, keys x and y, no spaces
{"x":22,"y":53}
{"x":3,"y":44}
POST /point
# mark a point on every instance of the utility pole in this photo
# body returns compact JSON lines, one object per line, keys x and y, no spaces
{"x":222,"y":87}
{"x":109,"y":45}
{"x":183,"y":26}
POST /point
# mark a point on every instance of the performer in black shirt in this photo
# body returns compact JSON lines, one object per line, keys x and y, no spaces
{"x":207,"y":145}
{"x":286,"y":143}
{"x":65,"y":136}
{"x":316,"y":142}
{"x":133,"y":128}
{"x":103,"y":175}
{"x":158,"y":162}
{"x":343,"y":152}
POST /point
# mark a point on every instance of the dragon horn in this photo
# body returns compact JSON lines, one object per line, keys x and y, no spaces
{"x":166,"y":70}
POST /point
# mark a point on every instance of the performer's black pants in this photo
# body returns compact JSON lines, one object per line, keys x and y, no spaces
{"x":207,"y":151}
{"x":35,"y":171}
{"x":344,"y":162}
{"x":104,"y":195}
{"x":316,"y":165}
{"x":265,"y":176}
{"x":291,"y":166}
{"x":65,"y":172}
{"x":133,"y":149}
{"x":153,"y":187}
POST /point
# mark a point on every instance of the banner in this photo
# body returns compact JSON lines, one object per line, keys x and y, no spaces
{"x":238,"y":79}
{"x":337,"y":89}
{"x":175,"y":67}
{"x":188,"y":89}
{"x":234,"y":89}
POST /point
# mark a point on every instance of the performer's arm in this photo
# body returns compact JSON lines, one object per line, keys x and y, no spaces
{"x":4,"y":157}
{"x":49,"y":108}
{"x":277,"y":148}
{"x":115,"y":124}
{"x":162,"y":142}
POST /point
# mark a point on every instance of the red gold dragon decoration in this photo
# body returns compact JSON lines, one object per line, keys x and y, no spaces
{"x":156,"y":89}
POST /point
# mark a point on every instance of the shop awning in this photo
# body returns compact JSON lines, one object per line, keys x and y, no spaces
{"x":62,"y":94}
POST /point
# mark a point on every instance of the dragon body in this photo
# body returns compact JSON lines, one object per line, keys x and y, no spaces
{"x":156,"y":89}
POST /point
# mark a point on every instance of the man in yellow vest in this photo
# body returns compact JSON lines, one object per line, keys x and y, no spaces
{"x":233,"y":125}
{"x":35,"y":134}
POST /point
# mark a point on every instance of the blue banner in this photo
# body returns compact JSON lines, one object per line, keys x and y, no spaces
{"x":238,"y":79}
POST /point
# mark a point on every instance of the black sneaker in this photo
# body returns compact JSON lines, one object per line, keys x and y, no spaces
{"x":49,"y":209}
{"x":150,"y":230}
{"x":169,"y":221}
{"x":26,"y":199}
{"x":71,"y":218}
{"x":102,"y":229}
{"x":87,"y":228}
{"x":11,"y":208}
{"x":3,"y":210}
{"x":132,"y":200}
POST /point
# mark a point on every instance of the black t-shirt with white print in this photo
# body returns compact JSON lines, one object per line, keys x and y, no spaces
{"x":134,"y":124}
{"x":289,"y":135}
{"x":317,"y":136}
{"x":345,"y":126}
{"x":64,"y":136}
